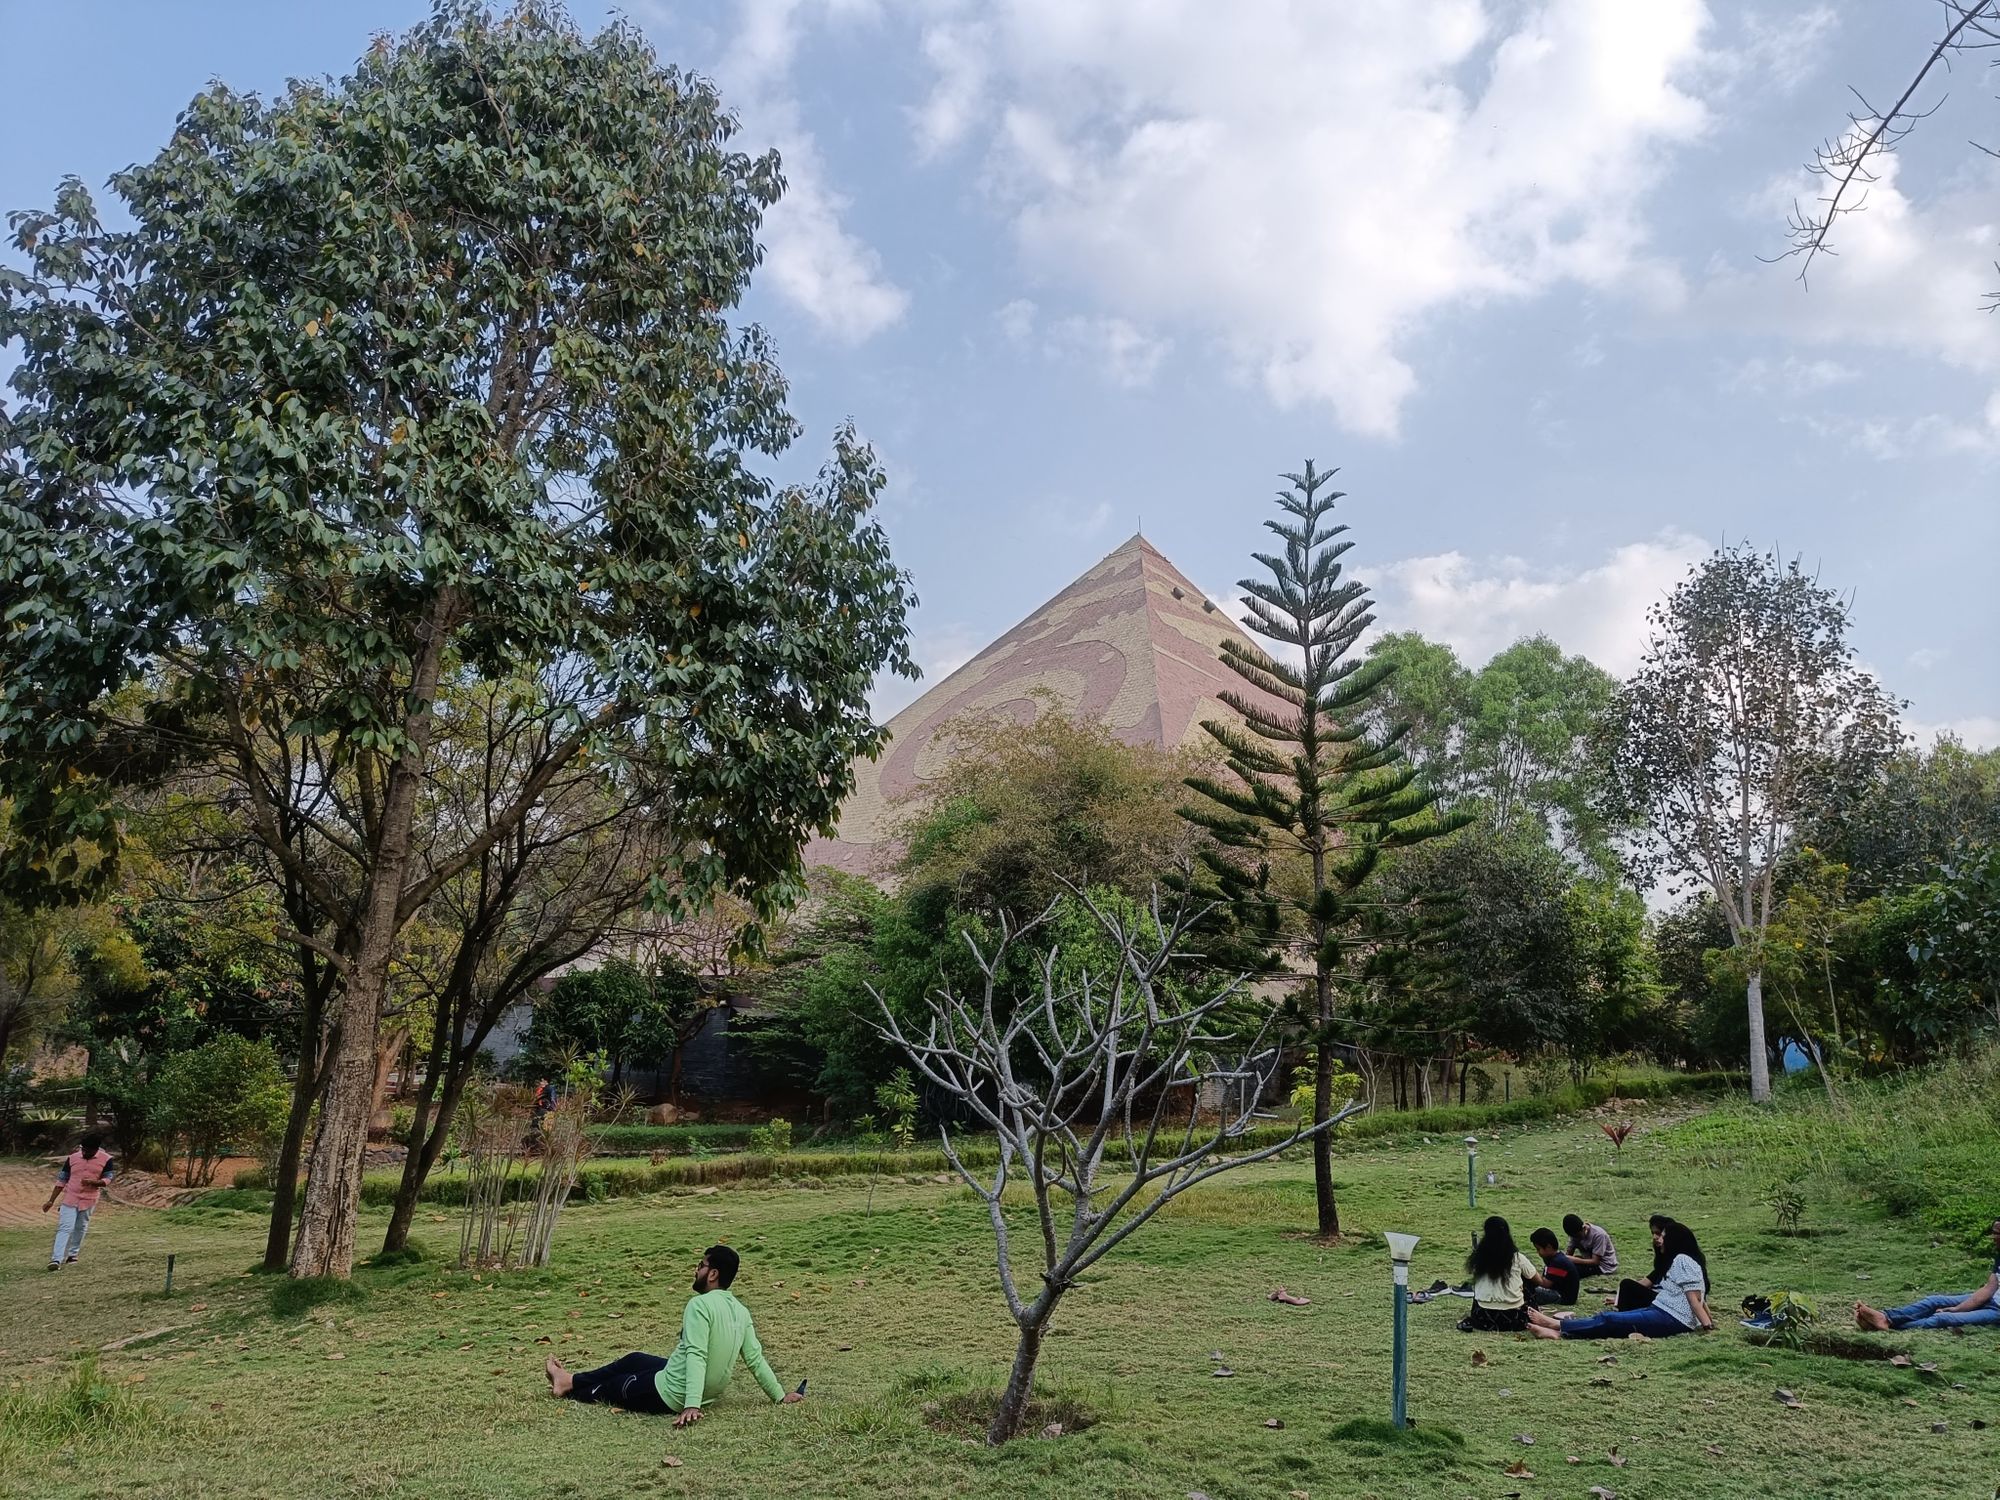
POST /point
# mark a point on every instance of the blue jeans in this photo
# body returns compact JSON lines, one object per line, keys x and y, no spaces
{"x":1928,"y":1312}
{"x":71,"y":1226}
{"x":1651,"y":1321}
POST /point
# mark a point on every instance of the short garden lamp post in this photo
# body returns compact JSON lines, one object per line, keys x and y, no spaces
{"x":1400,"y":1247}
{"x":1472,"y":1171}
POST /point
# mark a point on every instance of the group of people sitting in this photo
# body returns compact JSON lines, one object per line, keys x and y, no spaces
{"x":1513,"y":1294}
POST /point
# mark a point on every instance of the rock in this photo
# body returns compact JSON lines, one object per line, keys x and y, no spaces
{"x":1222,"y":1372}
{"x":667,"y":1114}
{"x":1053,"y":1430}
{"x":1940,"y":1426}
{"x":1787,"y":1398}
{"x":1525,"y":1439}
{"x":1273,"y":1423}
{"x":671,"y":1462}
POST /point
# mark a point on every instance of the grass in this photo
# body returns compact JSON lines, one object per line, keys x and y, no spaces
{"x":428,"y":1385}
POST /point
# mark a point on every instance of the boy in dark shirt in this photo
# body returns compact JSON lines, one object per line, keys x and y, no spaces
{"x":1563,"y":1275}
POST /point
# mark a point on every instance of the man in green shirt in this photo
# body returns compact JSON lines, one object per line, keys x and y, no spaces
{"x":715,"y":1330}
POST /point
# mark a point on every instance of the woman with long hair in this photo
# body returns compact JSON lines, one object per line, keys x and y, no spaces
{"x":1677,"y":1288}
{"x":1501,"y":1276}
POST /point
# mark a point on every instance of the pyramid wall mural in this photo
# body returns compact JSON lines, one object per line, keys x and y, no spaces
{"x":1131,"y":644}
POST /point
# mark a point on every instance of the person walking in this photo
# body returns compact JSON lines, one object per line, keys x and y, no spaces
{"x":85,"y":1173}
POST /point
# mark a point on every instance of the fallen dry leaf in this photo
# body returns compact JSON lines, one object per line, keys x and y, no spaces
{"x":1518,"y":1470}
{"x":1617,"y":1459}
{"x":1900,"y":1361}
{"x":198,"y":1307}
{"x":1222,"y":1372}
{"x":1053,"y":1430}
{"x":1713,"y":1450}
{"x":1571,"y":1458}
{"x":1273,"y":1423}
{"x":1525,"y":1439}
{"x":670,"y":1462}
{"x":1599,"y":1492}
{"x":343,"y":1356}
{"x":1479,"y":1356}
{"x":1787,"y":1398}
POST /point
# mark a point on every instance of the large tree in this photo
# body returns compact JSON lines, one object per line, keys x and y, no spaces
{"x":412,"y":378}
{"x":1747,"y":721}
{"x":1306,"y":785}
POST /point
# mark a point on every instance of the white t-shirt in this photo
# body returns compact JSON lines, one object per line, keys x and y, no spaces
{"x":1671,"y":1295}
{"x":1505,"y":1291}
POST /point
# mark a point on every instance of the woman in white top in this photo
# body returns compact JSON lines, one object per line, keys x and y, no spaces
{"x":1501,"y":1276}
{"x":1680,"y":1296}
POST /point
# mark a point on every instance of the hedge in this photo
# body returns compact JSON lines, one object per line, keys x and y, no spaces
{"x":637,"y":1140}
{"x":604,"y":1180}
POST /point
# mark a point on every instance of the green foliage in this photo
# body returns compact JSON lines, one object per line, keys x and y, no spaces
{"x":1787,"y":1202}
{"x":1793,"y":1320}
{"x":228,"y":1092}
{"x":84,"y":1406}
{"x":1306,"y":788}
{"x":896,"y":1097}
{"x":615,"y":1140}
{"x":635,"y":1018}
{"x":1346,"y":1085}
{"x":1904,"y":826}
{"x":773,"y":1138}
{"x":431,"y":360}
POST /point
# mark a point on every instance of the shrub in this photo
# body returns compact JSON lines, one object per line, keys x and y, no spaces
{"x":774,"y":1139}
{"x":226,"y":1092}
{"x":637,"y":1140}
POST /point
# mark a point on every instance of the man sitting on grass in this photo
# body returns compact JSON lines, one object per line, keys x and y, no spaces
{"x":1562,"y":1277}
{"x":1950,"y":1310}
{"x":1590,"y":1247}
{"x":715,"y":1329}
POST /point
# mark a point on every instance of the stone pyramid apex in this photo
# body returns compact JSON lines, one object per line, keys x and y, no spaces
{"x":1132,"y":644}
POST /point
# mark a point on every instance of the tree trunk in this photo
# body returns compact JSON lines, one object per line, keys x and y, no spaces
{"x":1329,"y":1208}
{"x":426,"y":1144}
{"x":1760,"y":1056}
{"x":307,"y":1081}
{"x":1021,"y":1379}
{"x":386,"y":1052}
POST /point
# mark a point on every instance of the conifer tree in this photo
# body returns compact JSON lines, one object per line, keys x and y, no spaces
{"x":1306,"y":785}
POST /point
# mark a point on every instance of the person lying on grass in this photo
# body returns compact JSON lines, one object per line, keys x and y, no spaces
{"x":1501,"y":1276}
{"x":715,"y":1329}
{"x":1948,"y":1310}
{"x":1562,"y":1277}
{"x":1680,"y":1297}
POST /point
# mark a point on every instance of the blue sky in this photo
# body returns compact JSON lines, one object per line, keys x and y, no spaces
{"x":1073,"y":264}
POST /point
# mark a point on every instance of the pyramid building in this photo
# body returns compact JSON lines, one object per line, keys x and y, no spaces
{"x":1132,"y":644}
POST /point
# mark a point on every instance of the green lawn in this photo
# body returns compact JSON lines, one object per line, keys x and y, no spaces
{"x":429,"y":1384}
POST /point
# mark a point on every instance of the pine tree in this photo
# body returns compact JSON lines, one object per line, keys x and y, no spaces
{"x":1306,"y":783}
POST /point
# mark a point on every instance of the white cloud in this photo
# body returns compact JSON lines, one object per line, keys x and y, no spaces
{"x":1125,"y":355}
{"x":1790,"y":376}
{"x":1927,"y":657}
{"x":1481,"y":607}
{"x":810,"y":257}
{"x":1978,"y":731}
{"x":1311,"y":190}
{"x":1907,"y":277}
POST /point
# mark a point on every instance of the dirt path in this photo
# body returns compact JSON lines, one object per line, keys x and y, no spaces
{"x":24,"y":1189}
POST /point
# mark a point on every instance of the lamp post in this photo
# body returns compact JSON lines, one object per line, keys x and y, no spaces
{"x":1400,"y":1246}
{"x":1471,"y":1171}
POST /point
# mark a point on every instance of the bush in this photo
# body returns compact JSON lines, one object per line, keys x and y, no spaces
{"x":226,"y":1092}
{"x":640,"y":1140}
{"x":774,"y":1139}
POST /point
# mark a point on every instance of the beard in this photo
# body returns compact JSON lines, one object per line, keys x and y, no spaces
{"x":698,"y":1284}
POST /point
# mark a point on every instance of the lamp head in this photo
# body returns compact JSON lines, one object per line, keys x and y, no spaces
{"x":1400,"y":1245}
{"x":1471,"y":1141}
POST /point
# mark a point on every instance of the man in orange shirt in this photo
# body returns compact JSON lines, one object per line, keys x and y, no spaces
{"x":84,"y":1174}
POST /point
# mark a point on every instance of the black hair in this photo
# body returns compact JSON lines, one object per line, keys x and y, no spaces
{"x":1543,"y":1237}
{"x":1676,"y":1239}
{"x":1572,"y":1225}
{"x":723,"y":1261}
{"x":1494,"y":1251}
{"x":90,"y":1143}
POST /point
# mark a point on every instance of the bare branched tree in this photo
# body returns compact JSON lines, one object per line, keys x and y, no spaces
{"x":1849,"y":163}
{"x":1110,"y":1095}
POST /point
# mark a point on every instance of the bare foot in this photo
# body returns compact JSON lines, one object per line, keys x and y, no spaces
{"x":1290,"y":1300}
{"x":1550,"y":1331}
{"x":1869,"y":1319}
{"x":560,"y":1380}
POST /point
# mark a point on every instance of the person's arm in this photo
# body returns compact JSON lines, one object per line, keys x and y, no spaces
{"x":694,"y":1338}
{"x":753,"y":1356}
{"x":1699,"y":1303}
{"x":1981,"y":1298}
{"x":62,"y":1179}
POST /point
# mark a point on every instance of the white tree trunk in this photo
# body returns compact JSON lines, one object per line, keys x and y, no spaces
{"x":1760,"y":1056}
